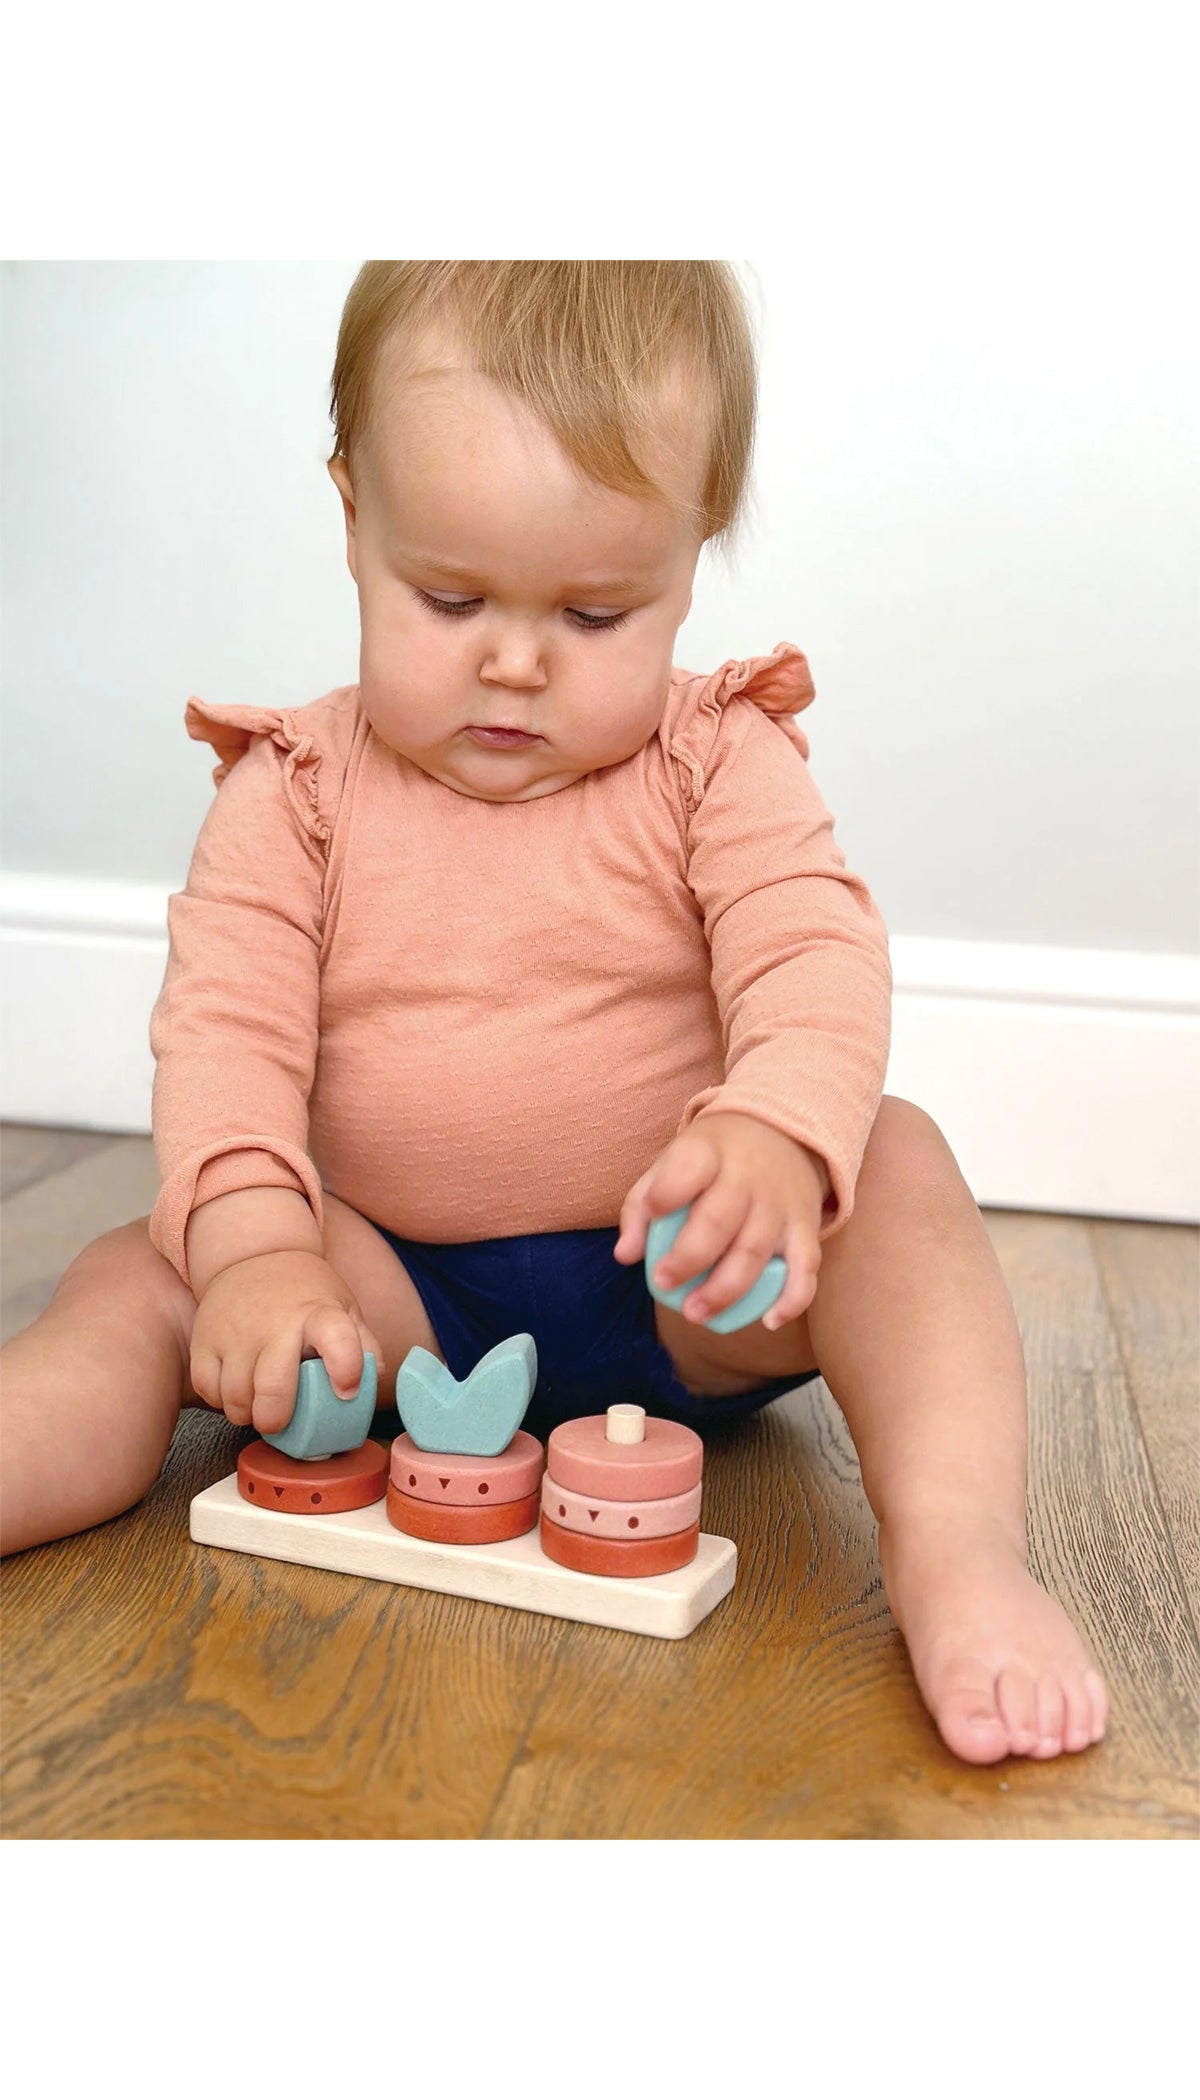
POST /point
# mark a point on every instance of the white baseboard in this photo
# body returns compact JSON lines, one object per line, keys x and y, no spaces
{"x":1066,"y":1079}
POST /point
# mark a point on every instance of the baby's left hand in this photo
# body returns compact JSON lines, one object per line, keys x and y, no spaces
{"x":753,"y":1193}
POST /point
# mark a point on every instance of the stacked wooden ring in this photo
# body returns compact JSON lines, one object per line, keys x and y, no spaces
{"x":461,"y":1499}
{"x":621,"y":1494}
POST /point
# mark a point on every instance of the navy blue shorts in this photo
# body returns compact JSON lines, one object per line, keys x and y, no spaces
{"x":591,"y":1317}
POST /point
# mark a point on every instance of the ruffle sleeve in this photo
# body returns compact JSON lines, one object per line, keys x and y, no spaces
{"x":780,"y":685}
{"x":231,"y":731}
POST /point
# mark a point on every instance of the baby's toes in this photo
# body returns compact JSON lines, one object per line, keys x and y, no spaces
{"x":1016,"y":1694}
{"x":1077,"y":1718}
{"x":968,"y":1716}
{"x":1051,"y":1713}
{"x":1098,"y":1702}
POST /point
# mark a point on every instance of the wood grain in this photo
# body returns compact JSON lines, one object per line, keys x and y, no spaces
{"x":86,"y":1186}
{"x":1151,"y":1279}
{"x":158,"y":1689}
{"x":30,"y":1152}
{"x":154,"y":1688}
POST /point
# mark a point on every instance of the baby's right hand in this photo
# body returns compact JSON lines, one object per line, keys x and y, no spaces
{"x":254,"y":1324}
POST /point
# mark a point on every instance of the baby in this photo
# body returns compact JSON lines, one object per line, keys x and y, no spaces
{"x":527,"y":939}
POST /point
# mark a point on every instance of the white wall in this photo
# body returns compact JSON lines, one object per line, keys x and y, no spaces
{"x":974,"y":512}
{"x":169,"y":528}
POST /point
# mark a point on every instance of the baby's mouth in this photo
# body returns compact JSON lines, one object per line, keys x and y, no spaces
{"x":501,"y":739}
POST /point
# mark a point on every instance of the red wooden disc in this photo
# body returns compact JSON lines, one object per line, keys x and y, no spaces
{"x":593,"y":1556}
{"x":452,"y":1524}
{"x":312,"y":1487}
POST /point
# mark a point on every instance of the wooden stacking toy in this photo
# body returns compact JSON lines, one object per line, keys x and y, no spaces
{"x":621,"y":1494}
{"x":465,"y":1500}
{"x":323,"y":1462}
{"x":463,"y":1474}
{"x":477,"y":1417}
{"x":621,"y":1499}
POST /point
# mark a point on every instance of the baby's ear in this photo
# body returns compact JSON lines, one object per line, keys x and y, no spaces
{"x":339,"y":474}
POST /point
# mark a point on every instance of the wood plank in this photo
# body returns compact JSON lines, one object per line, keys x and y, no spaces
{"x":1151,"y":1276}
{"x":784,"y":1714}
{"x":30,"y":1151}
{"x":792,"y":1713}
{"x":53,"y":1217}
{"x":158,"y":1689}
{"x":1099,"y":1534}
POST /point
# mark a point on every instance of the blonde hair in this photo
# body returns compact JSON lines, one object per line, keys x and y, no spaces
{"x":590,"y":347}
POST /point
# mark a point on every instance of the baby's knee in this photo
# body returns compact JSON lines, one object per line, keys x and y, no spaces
{"x":126,"y":1266}
{"x":906,"y":1151}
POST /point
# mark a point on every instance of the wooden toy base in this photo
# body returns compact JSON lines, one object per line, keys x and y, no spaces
{"x":515,"y":1572}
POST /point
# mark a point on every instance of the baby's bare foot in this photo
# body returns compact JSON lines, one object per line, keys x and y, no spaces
{"x":1000,"y":1666}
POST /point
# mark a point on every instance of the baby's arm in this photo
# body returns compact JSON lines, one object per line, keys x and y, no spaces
{"x":235,"y":1033}
{"x":767,"y":1161}
{"x":244,"y":1223}
{"x":800,"y":967}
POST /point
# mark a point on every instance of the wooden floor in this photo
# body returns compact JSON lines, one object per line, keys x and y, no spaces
{"x":154,"y":1688}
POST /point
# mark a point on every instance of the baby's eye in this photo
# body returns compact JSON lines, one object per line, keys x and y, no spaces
{"x":450,"y":606}
{"x":454,"y":608}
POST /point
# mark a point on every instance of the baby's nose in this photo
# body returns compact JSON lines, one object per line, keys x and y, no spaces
{"x":515,"y":661}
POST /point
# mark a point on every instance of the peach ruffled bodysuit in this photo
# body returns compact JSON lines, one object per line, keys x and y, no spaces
{"x":472,"y":1019}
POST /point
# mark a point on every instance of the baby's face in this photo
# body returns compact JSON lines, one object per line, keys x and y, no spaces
{"x":497,"y":589}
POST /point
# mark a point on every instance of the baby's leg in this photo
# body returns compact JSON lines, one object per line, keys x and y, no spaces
{"x":93,"y":1388}
{"x":916,"y":1337}
{"x":92,"y":1391}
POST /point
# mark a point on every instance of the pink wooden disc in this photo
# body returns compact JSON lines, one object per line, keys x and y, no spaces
{"x":669,"y":1462}
{"x":619,"y":1520}
{"x":449,"y":1477}
{"x":618,"y":1556}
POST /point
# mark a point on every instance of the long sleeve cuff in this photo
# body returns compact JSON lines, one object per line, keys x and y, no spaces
{"x":220,"y":1169}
